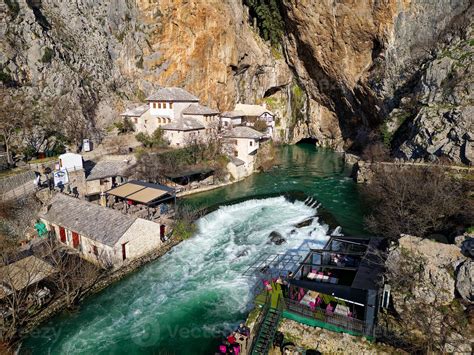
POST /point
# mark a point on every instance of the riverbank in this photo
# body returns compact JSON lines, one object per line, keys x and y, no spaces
{"x":194,"y":294}
{"x":60,"y":304}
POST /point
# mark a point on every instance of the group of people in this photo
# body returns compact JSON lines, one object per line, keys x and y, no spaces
{"x":232,"y":344}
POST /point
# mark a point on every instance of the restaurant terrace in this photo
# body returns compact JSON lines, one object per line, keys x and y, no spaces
{"x":143,"y":193}
{"x":336,"y":288}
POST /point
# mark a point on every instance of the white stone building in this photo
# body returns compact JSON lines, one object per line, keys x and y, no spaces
{"x":178,"y":113}
{"x":231,"y":119}
{"x":101,"y":235}
{"x":241,"y":144}
{"x":252,"y":113}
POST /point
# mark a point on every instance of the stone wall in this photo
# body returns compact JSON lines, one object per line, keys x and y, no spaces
{"x":14,"y":181}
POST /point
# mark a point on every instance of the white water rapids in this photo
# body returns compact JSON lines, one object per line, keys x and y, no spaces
{"x":195,"y":293}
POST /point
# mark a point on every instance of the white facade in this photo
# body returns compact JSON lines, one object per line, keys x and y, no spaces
{"x":178,"y":113}
{"x":245,"y":148}
{"x":141,"y":238}
{"x":169,"y":109}
{"x":179,"y":139}
{"x":70,"y":161}
{"x":147,"y":123}
{"x":228,"y":122}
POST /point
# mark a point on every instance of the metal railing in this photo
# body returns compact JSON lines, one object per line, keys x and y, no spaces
{"x":344,"y":322}
{"x":258,"y":324}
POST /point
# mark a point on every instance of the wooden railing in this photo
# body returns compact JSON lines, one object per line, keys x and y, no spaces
{"x":344,"y":322}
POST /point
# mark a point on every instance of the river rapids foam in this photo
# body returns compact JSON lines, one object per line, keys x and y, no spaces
{"x":196,"y":291}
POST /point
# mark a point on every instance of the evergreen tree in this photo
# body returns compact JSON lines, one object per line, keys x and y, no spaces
{"x":269,"y":19}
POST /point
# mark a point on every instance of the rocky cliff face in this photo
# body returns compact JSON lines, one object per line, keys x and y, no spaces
{"x":425,"y":278}
{"x":102,"y":55}
{"x":358,"y":61}
{"x":347,"y":71}
{"x":436,"y":119}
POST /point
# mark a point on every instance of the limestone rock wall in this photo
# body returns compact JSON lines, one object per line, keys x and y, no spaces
{"x":102,"y":55}
{"x":348,"y":72}
{"x":358,"y":59}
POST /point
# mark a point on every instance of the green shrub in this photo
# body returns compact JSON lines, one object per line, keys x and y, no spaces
{"x":13,"y":7}
{"x":47,"y":55}
{"x":143,"y":138}
{"x":5,"y":78}
{"x":269,"y":19}
{"x":156,"y":140}
{"x":124,"y":126}
{"x":260,"y":125}
{"x":184,"y":229}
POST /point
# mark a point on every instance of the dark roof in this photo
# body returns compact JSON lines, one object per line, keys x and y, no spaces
{"x":172,"y":94}
{"x":371,"y":267}
{"x":198,"y":109}
{"x":136,"y":111}
{"x":88,"y":219}
{"x":108,"y":168}
{"x":183,"y":124}
{"x":233,"y":114}
{"x":236,"y":161}
{"x":243,"y":132}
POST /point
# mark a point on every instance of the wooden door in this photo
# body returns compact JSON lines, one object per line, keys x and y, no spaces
{"x":124,"y":251}
{"x":75,"y":240}
{"x":162,"y":232}
{"x":62,"y":234}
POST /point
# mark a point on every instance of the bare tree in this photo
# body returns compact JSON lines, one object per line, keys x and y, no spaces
{"x":376,"y":152}
{"x":19,"y":281}
{"x":11,"y":119}
{"x":413,"y":200}
{"x":75,"y":276}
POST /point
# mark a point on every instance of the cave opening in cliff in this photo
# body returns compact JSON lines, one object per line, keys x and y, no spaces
{"x":308,"y":140}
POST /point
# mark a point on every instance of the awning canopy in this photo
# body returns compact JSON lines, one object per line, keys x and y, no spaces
{"x":142,"y":192}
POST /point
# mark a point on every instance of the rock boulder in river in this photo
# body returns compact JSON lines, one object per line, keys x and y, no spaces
{"x":304,"y":223}
{"x":276,"y":238}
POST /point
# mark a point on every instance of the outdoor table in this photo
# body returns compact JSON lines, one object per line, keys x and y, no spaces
{"x":341,"y":310}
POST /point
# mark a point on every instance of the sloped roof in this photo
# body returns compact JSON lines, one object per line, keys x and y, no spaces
{"x":243,"y":132}
{"x":23,"y":273}
{"x":136,"y":111}
{"x":236,"y":161}
{"x":198,"y":109}
{"x":183,"y":124}
{"x":88,"y":219}
{"x":233,"y":114}
{"x":140,"y":191}
{"x":108,"y":168}
{"x":172,"y":94}
{"x":252,"y":110}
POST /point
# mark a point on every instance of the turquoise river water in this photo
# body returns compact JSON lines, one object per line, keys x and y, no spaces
{"x":185,"y":301}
